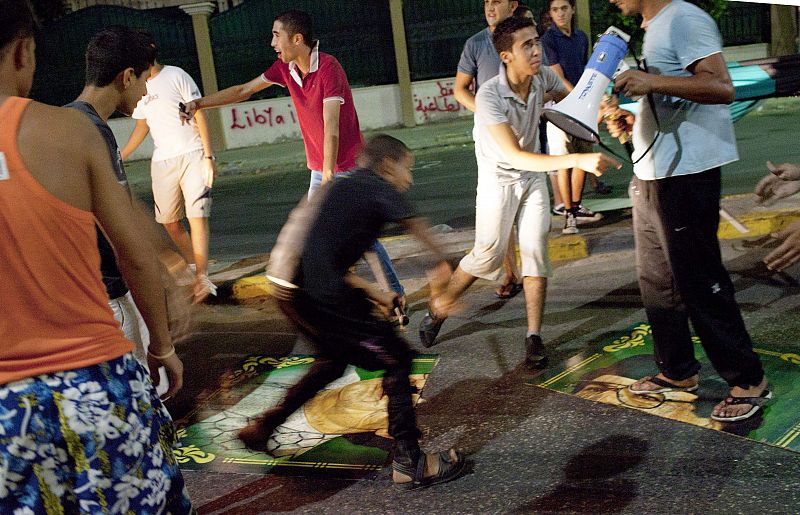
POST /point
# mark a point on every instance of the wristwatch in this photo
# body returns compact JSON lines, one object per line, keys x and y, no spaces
{"x":213,"y":158}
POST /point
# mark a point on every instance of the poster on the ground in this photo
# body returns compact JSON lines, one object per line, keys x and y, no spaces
{"x":603,"y":372}
{"x":342,"y":432}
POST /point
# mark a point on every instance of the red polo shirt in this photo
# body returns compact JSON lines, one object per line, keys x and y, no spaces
{"x":325,"y":82}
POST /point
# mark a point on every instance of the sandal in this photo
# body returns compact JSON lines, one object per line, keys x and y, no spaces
{"x":666,"y":387}
{"x":508,"y":291}
{"x":755,"y":402}
{"x":448,"y":471}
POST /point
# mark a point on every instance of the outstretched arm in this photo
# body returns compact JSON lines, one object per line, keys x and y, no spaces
{"x":595,"y":163}
{"x":226,"y":96}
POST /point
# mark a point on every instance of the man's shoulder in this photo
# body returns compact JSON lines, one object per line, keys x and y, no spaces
{"x":326,"y":59}
{"x":478,"y":39}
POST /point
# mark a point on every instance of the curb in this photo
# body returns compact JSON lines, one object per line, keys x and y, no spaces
{"x":562,"y":248}
{"x":758,"y":223}
{"x":566,"y":248}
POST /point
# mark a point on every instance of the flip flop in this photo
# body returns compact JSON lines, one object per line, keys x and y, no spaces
{"x":755,"y":402}
{"x":508,"y":291}
{"x":666,"y":387}
{"x":448,"y":471}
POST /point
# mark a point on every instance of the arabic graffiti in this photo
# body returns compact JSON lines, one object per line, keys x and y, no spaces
{"x":435,"y":98}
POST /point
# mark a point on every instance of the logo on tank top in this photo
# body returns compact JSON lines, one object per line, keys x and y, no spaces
{"x":4,"y":176}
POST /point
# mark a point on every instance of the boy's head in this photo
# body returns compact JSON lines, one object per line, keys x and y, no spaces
{"x":390,"y":158}
{"x":498,"y":10}
{"x":523,"y":11}
{"x":17,"y":47}
{"x":563,"y":13}
{"x":517,"y":42}
{"x":121,"y":57}
{"x":628,"y":7}
{"x":291,"y":34}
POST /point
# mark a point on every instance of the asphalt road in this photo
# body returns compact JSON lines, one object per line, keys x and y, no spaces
{"x":250,"y":208}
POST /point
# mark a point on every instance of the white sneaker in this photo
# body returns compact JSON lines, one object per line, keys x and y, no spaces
{"x":207,"y":285}
{"x":570,"y":224}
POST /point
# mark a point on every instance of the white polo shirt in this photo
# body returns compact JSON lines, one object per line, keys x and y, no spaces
{"x":496,"y":103}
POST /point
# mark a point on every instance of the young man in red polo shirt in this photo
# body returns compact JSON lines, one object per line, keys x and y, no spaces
{"x":323,"y":102}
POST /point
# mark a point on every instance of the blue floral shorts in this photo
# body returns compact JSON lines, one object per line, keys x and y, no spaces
{"x":91,"y":440}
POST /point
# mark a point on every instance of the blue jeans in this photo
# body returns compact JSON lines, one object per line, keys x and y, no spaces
{"x":377,"y":248}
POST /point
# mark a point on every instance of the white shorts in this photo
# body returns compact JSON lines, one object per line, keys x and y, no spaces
{"x":179,"y":188}
{"x":498,"y":207}
{"x":560,"y":143}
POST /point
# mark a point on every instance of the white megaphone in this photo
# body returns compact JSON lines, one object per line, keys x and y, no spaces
{"x":577,"y":113}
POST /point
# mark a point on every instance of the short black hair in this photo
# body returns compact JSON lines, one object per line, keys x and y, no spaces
{"x":17,"y":21}
{"x":522,"y":10}
{"x":503,"y":36}
{"x":550,"y":2}
{"x":381,"y":147}
{"x":297,"y":22}
{"x":116,"y":48}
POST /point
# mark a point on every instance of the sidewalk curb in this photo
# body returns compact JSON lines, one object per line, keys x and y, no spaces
{"x":561,"y":248}
{"x":566,"y":248}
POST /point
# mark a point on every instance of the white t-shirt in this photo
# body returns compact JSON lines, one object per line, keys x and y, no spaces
{"x":160,"y":108}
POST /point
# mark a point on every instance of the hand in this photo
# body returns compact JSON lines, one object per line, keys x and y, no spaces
{"x":634,"y":83}
{"x":174,"y":368}
{"x":327,"y":177}
{"x":209,"y":172}
{"x":788,"y":252}
{"x":786,"y":171}
{"x":618,"y":121}
{"x":783,"y":181}
{"x":188,"y":111}
{"x":596,"y":163}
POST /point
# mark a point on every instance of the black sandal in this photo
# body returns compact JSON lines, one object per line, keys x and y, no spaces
{"x":755,"y":402}
{"x":448,"y":471}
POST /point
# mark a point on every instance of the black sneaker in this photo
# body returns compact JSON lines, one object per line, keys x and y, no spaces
{"x":534,"y":352}
{"x":429,"y":329}
{"x":559,"y":209}
{"x":584,"y":214}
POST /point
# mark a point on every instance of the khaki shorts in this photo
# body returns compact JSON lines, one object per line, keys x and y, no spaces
{"x":179,"y":188}
{"x":560,"y":143}
{"x":498,"y":207}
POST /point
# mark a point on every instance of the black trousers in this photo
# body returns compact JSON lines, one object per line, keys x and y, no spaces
{"x":682,"y":278}
{"x":350,"y":334}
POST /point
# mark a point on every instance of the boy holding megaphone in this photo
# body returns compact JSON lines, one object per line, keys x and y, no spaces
{"x":682,"y":135}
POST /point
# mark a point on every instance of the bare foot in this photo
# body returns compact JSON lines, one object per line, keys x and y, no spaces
{"x":726,"y":410}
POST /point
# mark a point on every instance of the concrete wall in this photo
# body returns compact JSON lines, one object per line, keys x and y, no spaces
{"x":267,"y":121}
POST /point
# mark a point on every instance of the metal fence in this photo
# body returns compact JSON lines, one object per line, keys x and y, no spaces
{"x":61,"y":45}
{"x":745,"y":24}
{"x":357,"y":32}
